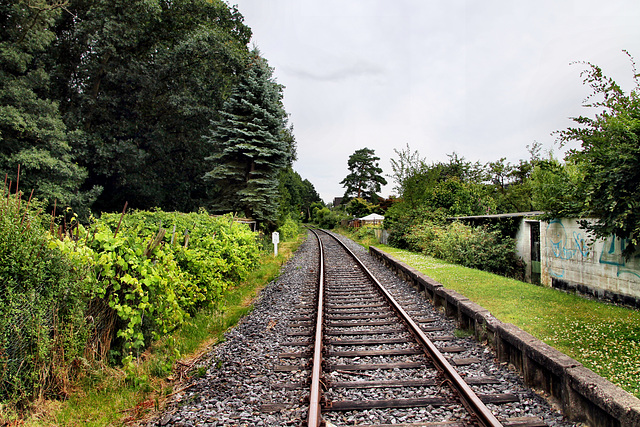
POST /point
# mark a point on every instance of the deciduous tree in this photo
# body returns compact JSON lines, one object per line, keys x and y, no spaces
{"x":610,"y":158}
{"x":32,"y":132}
{"x":140,"y":81}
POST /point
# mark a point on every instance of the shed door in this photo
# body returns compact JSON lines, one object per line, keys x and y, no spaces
{"x":535,"y":251}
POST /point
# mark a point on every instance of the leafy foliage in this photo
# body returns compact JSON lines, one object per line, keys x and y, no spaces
{"x":359,"y":207}
{"x":296,"y":196}
{"x":43,"y":295}
{"x":154,"y":282}
{"x":138,"y":82}
{"x":609,"y":158}
{"x":430,"y":232}
{"x":104,"y":290}
{"x":464,"y":188}
{"x":474,"y":247}
{"x":556,"y":188}
{"x":289,"y":230}
{"x":111,"y":102}
{"x":455,"y":186}
{"x":327,"y":218}
{"x":33,"y":136}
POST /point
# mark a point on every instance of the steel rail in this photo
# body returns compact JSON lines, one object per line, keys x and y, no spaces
{"x":314,"y":417}
{"x":470,"y":400}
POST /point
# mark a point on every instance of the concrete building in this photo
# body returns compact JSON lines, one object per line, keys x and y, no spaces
{"x":559,"y":254}
{"x":571,"y":260}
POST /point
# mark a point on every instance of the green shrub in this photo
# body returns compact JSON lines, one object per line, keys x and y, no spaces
{"x":104,"y":291}
{"x":43,"y":294}
{"x":400,"y":220}
{"x":474,"y":247}
{"x":328,"y":219}
{"x":289,"y":230}
{"x":154,"y":278}
{"x":365,"y":235}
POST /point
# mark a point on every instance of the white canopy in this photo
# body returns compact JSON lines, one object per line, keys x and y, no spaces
{"x":372,"y":217}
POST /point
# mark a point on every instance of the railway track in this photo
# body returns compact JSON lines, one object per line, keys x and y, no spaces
{"x":366,"y":352}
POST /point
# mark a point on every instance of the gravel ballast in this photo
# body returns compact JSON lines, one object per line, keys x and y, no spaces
{"x":239,"y":381}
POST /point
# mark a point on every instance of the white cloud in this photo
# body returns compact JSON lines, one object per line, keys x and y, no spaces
{"x":483,"y":79}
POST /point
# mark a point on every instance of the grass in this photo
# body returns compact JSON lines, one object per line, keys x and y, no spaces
{"x":111,"y":396}
{"x":365,"y":235}
{"x":603,"y":337}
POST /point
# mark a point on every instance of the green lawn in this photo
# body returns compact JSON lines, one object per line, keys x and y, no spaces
{"x":603,"y":337}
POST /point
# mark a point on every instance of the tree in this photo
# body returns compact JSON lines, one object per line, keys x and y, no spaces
{"x":359,"y":207}
{"x":610,"y":159}
{"x":139,"y":81}
{"x":407,"y":165}
{"x":500,"y":172}
{"x":249,"y":146}
{"x":556,"y":188}
{"x":32,"y":132}
{"x":364,"y":179}
{"x":296,"y":196}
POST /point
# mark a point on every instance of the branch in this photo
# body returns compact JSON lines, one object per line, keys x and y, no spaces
{"x":40,"y":9}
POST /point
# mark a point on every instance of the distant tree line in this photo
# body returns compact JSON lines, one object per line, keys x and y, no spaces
{"x":158,"y":103}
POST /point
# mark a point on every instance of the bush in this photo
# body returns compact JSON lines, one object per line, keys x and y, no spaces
{"x":153,"y":278}
{"x":328,"y":219}
{"x":474,"y":247}
{"x":105,"y":290}
{"x":42,"y":300}
{"x":365,"y":235}
{"x":400,"y":219}
{"x":289,"y":230}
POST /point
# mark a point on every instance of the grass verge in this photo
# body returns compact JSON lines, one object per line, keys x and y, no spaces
{"x":111,"y":396}
{"x":364,"y":235}
{"x":603,"y":337}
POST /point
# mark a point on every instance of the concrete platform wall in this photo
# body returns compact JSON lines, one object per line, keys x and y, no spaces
{"x":571,"y":262}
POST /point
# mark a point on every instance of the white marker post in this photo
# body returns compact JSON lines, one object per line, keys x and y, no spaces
{"x":275,"y":239}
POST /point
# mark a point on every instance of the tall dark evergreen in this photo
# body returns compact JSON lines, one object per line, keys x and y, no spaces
{"x":250,"y":144}
{"x":32,"y":132}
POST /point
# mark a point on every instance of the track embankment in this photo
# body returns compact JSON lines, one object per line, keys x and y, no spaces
{"x":261,"y":375}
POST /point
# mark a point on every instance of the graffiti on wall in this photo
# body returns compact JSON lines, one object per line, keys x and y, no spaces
{"x":564,"y":246}
{"x":611,"y":254}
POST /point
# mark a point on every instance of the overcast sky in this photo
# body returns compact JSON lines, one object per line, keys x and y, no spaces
{"x":481,"y":78}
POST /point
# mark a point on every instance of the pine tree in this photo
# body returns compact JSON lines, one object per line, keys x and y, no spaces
{"x":250,"y":145}
{"x":365,"y":178}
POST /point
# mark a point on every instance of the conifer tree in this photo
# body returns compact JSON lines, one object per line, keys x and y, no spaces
{"x":365,"y":178}
{"x":250,"y":144}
